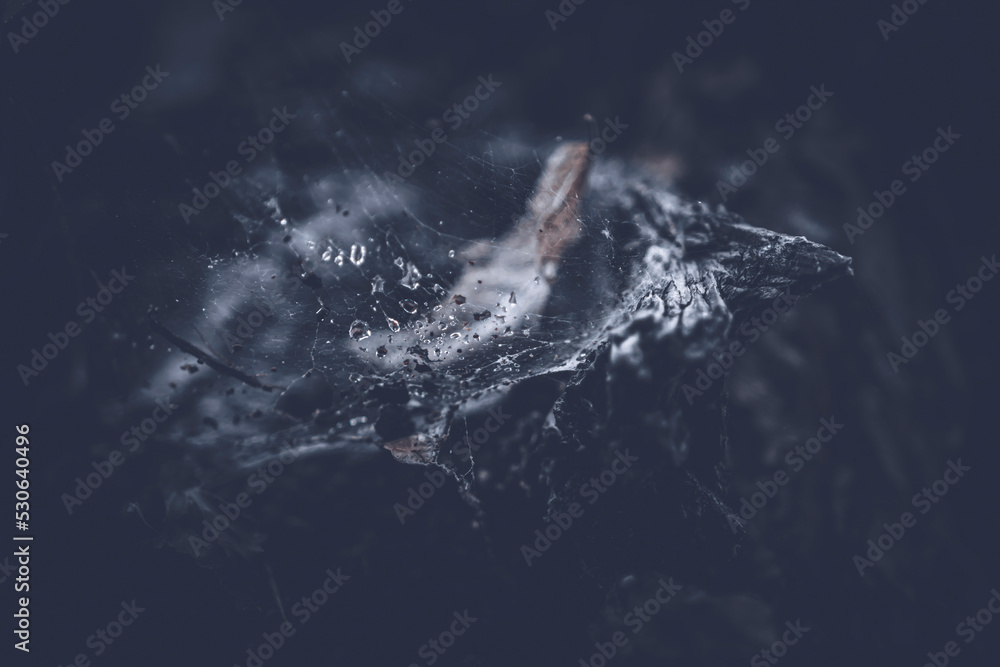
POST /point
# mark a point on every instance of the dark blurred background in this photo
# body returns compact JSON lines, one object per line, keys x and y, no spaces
{"x":606,"y":59}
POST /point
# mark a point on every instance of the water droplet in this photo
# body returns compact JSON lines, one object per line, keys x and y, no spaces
{"x":456,"y":335}
{"x":512,"y":298}
{"x":339,"y":259}
{"x":327,"y":254}
{"x":409,"y":305}
{"x":283,"y":222}
{"x":355,"y":377}
{"x":399,"y":262}
{"x":411,"y":277}
{"x":393,"y":324}
{"x":451,"y":253}
{"x":358,"y":253}
{"x":378,"y":285}
{"x":458,"y":299}
{"x":360,"y":330}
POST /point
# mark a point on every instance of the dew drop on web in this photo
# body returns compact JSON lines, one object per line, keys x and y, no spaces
{"x":359,"y":330}
{"x":358,"y":253}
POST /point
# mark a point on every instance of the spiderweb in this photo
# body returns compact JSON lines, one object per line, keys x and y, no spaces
{"x":356,"y":287}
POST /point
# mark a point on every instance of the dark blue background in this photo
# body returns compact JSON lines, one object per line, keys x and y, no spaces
{"x":939,"y":69}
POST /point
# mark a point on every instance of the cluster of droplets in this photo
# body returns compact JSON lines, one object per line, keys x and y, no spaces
{"x":425,"y":331}
{"x":357,"y":254}
{"x":411,"y":274}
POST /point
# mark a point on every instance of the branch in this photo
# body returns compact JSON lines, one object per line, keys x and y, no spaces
{"x":219,"y":366}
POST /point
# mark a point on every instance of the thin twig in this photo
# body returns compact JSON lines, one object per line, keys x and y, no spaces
{"x":220,"y":366}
